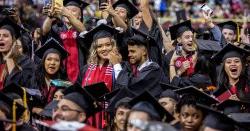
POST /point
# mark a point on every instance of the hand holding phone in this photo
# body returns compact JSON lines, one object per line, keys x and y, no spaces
{"x":101,"y":2}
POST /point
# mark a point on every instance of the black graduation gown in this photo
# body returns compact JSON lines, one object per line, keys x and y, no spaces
{"x":25,"y":127}
{"x":21,"y":77}
{"x":166,"y":62}
{"x":198,"y":80}
{"x":147,"y":79}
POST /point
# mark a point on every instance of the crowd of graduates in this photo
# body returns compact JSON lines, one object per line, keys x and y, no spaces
{"x":122,"y":71}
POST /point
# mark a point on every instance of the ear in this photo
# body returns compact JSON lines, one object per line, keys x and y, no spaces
{"x":179,"y":39}
{"x":82,"y":117}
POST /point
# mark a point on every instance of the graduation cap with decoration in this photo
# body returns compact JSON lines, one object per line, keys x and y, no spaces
{"x":101,"y":31}
{"x":233,"y":106}
{"x":147,"y":103}
{"x":217,"y":120}
{"x":77,"y":94}
{"x":130,"y":7}
{"x":229,"y":51}
{"x":178,"y":29}
{"x":51,"y":46}
{"x":199,"y":95}
{"x":11,"y":26}
{"x":15,"y":110}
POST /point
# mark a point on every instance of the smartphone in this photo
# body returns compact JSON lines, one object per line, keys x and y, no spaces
{"x":178,"y":49}
{"x":206,"y":8}
{"x":102,"y":1}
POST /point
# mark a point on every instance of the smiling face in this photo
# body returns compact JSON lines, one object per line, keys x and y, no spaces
{"x":103,"y":48}
{"x":186,"y":39}
{"x":6,"y":40}
{"x":52,"y":63}
{"x":137,"y":54}
{"x":233,"y":67}
{"x":190,"y":118}
{"x":229,"y":35}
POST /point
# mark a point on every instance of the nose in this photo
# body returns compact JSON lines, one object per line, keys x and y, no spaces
{"x":190,"y":119}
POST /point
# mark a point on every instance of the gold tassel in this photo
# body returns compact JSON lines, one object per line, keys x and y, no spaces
{"x":14,"y":116}
{"x":25,"y":117}
{"x":238,"y":33}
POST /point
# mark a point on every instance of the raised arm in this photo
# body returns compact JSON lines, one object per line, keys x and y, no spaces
{"x":146,"y":14}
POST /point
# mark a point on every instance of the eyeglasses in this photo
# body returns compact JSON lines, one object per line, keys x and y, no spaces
{"x":65,"y":109}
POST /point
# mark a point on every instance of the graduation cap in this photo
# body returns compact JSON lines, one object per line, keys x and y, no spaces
{"x":97,"y":90}
{"x":242,"y":118}
{"x":229,"y":51}
{"x":14,"y":28}
{"x":199,"y":95}
{"x":228,"y":25}
{"x":60,"y":84}
{"x":26,"y":94}
{"x":147,"y":103}
{"x":141,"y":38}
{"x":177,"y":30}
{"x":166,"y":86}
{"x":169,"y":93}
{"x":78,"y":3}
{"x":16,"y":110}
{"x":131,"y":8}
{"x":48,"y":109}
{"x":52,"y":45}
{"x":101,"y":31}
{"x":233,"y":106}
{"x":217,"y":120}
{"x":123,"y":96}
{"x":82,"y":98}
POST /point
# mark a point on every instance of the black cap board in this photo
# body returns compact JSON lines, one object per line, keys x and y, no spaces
{"x":51,"y":45}
{"x":82,"y":98}
{"x":97,"y":90}
{"x":101,"y":31}
{"x":131,"y":8}
{"x":228,"y":25}
{"x":217,"y":120}
{"x":233,"y":106}
{"x":123,"y":93}
{"x":166,"y":86}
{"x":147,"y":103}
{"x":201,"y":97}
{"x":14,"y":29}
{"x":8,"y":102}
{"x":177,"y":30}
{"x":229,"y":51}
{"x":141,"y":38}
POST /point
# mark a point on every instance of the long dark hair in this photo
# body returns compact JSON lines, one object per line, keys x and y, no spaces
{"x":40,"y":73}
{"x":223,"y":81}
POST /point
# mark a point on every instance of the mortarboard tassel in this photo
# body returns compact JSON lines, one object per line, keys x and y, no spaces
{"x":14,"y":116}
{"x":25,"y":117}
{"x":238,"y":33}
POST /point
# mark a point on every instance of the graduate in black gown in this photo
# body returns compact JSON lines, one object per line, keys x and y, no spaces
{"x":233,"y":79}
{"x":13,"y":67}
{"x":142,"y":73}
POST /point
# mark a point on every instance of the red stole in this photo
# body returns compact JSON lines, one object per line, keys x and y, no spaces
{"x":225,"y":95}
{"x":2,"y":66}
{"x":180,"y":60}
{"x":48,"y":94}
{"x":96,"y":74}
{"x":72,"y":62}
